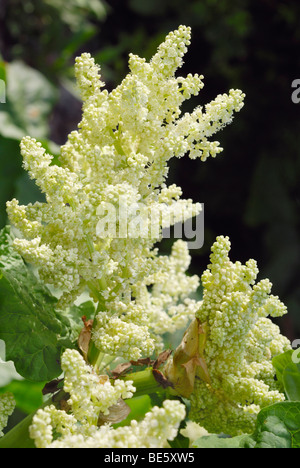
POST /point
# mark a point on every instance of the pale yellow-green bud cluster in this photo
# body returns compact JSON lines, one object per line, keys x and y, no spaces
{"x":126,"y":335}
{"x":240,"y":343}
{"x":7,"y":406}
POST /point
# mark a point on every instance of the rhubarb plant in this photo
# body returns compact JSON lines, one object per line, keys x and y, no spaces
{"x":86,"y":297}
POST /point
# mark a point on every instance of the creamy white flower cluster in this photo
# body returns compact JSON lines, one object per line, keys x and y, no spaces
{"x":124,"y":332}
{"x":168,"y":301}
{"x":158,"y":427}
{"x":7,"y":406}
{"x":240,"y":343}
{"x":88,"y":397}
{"x":139,"y":326}
{"x":117,"y":160}
{"x":90,"y":393}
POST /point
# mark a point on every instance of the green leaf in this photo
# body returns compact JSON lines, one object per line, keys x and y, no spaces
{"x":280,"y":362}
{"x":291,"y":381}
{"x":33,"y":330}
{"x":179,"y":442}
{"x":288,"y":374}
{"x":30,"y":98}
{"x":75,"y":12}
{"x":218,"y":441}
{"x":278,"y":426}
{"x":76,"y":312}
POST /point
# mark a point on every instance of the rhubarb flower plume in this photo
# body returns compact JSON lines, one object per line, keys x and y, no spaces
{"x":240,"y":342}
{"x":117,"y":160}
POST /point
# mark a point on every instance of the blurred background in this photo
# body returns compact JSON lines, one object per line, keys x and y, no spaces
{"x":251,"y":191}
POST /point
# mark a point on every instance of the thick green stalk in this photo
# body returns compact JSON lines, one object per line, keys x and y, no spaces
{"x":18,"y":436}
{"x":93,"y":352}
{"x":144,"y":382}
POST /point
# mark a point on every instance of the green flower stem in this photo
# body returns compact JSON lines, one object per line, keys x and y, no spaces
{"x":94,"y":355}
{"x":90,"y":244}
{"x":116,"y":142}
{"x":93,"y":352}
{"x":106,"y":361}
{"x":18,"y":436}
{"x":144,"y":382}
{"x":94,"y":290}
{"x":98,"y":363}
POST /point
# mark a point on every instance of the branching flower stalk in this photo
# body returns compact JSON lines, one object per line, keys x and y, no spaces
{"x":115,"y":164}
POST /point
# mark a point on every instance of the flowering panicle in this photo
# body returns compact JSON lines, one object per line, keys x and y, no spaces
{"x":117,"y":160}
{"x":106,"y":205}
{"x":126,"y":329}
{"x":158,"y":427}
{"x":168,"y":303}
{"x":240,"y":343}
{"x":91,"y":394}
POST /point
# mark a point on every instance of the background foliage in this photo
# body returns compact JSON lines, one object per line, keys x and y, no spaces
{"x":251,"y":191}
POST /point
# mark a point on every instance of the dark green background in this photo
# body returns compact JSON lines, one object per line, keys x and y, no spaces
{"x":251,"y":191}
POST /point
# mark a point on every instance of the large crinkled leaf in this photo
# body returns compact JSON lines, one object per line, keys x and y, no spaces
{"x":288,"y":374}
{"x":291,"y":380}
{"x":278,"y":426}
{"x":280,"y":362}
{"x":34,"y":332}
